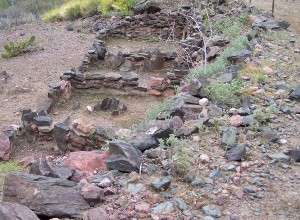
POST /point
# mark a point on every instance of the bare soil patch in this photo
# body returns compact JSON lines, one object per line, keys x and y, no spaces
{"x":57,"y":50}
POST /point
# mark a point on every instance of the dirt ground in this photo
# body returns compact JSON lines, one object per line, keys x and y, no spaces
{"x":57,"y":51}
{"x":284,"y":9}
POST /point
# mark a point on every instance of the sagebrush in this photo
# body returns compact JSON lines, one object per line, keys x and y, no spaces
{"x":14,"y":49}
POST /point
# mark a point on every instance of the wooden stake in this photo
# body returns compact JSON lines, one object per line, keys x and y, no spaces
{"x":273,"y":5}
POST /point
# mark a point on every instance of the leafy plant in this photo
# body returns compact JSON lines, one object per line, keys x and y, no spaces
{"x":225,"y":92}
{"x":155,"y":110}
{"x":179,"y":159}
{"x":11,"y":166}
{"x":13,"y":49}
{"x":243,"y":18}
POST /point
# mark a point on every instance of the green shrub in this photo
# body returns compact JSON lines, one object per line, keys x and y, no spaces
{"x":4,"y":4}
{"x":155,"y":110}
{"x":225,"y":92}
{"x":72,"y":11}
{"x":14,"y":49}
{"x":11,"y":166}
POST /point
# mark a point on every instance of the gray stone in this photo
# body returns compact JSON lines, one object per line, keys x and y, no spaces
{"x":212,"y":210}
{"x":113,"y":76}
{"x":44,"y":195}
{"x":229,"y":137}
{"x":135,"y":188}
{"x":208,"y":218}
{"x":195,"y":87}
{"x":295,"y":155}
{"x":110,"y":104}
{"x":126,"y":66}
{"x":15,"y":211}
{"x":60,"y":132}
{"x":236,"y":153}
{"x":123,"y":157}
{"x":188,"y":128}
{"x":296,"y":94}
{"x":239,"y":56}
{"x":188,"y":178}
{"x":272,"y":25}
{"x":279,"y":157}
{"x":42,"y":121}
{"x":114,"y":60}
{"x":46,"y":168}
{"x":182,"y":206}
{"x":269,"y":134}
{"x":198,"y":182}
{"x":164,"y":207}
{"x":163,"y":183}
{"x":215,"y":174}
{"x":142,"y":141}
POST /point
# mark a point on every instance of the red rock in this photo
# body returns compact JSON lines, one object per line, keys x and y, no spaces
{"x":4,"y":147}
{"x":177,"y":122}
{"x":204,"y":158}
{"x":155,"y":92}
{"x":91,"y":193}
{"x":123,"y":132}
{"x":83,"y":125}
{"x":97,"y":214}
{"x":253,"y":19}
{"x":236,"y":120}
{"x":65,"y":87}
{"x":267,"y":70}
{"x":168,"y":93}
{"x":156,"y":81}
{"x":142,"y":207}
{"x":26,"y":161}
{"x":87,"y":161}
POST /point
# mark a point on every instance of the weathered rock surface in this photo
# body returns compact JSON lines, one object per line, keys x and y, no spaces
{"x":123,"y":157}
{"x":4,"y":147}
{"x":52,"y":197}
{"x":87,"y":161}
{"x":236,"y":154}
{"x":15,"y":211}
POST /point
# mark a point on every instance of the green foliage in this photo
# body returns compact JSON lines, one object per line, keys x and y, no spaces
{"x":179,"y":160}
{"x":225,"y":92}
{"x":84,"y":8}
{"x":14,"y":49}
{"x":243,"y":18}
{"x":11,"y":166}
{"x":4,"y":4}
{"x":232,"y":31}
{"x":155,"y":110}
{"x":219,"y":64}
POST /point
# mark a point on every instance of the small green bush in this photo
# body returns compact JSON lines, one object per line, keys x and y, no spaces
{"x":14,"y":49}
{"x":4,"y":4}
{"x":155,"y":110}
{"x":225,"y":92}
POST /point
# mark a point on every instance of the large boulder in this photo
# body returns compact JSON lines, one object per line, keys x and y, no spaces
{"x":51,"y":197}
{"x":123,"y":157}
{"x":15,"y":211}
{"x":87,"y":161}
{"x":4,"y":147}
{"x":45,"y":167}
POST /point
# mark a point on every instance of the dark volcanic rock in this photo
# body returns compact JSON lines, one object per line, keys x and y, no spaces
{"x":142,"y":141}
{"x":295,"y":154}
{"x":123,"y":157}
{"x":239,"y":56}
{"x":46,"y":168}
{"x":109,"y":104}
{"x":162,"y":183}
{"x":51,"y":197}
{"x":236,"y":153}
{"x":42,"y":121}
{"x":15,"y":211}
{"x":229,"y":137}
{"x":296,"y":93}
{"x":60,"y":132}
